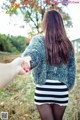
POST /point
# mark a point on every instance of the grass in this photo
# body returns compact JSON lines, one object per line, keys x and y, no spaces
{"x":18,"y":98}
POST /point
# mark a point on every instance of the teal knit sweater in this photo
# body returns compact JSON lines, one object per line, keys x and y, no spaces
{"x":41,"y":71}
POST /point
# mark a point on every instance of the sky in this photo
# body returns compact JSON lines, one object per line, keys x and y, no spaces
{"x":12,"y":25}
{"x":74,"y":12}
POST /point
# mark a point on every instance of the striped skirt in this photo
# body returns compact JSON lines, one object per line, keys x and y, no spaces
{"x":52,"y":92}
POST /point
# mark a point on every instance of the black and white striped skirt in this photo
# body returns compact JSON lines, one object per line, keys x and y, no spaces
{"x":52,"y":92}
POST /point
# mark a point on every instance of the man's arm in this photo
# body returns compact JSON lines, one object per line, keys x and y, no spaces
{"x":9,"y":71}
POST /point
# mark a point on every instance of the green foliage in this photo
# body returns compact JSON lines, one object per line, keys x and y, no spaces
{"x":12,"y":44}
{"x":11,"y":11}
{"x":5,"y":44}
{"x":18,"y":42}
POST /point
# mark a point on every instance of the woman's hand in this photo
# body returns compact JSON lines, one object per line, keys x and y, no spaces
{"x":26,"y":64}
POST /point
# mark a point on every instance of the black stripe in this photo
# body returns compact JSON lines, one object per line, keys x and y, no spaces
{"x":52,"y":89}
{"x":48,"y":83}
{"x":55,"y":101}
{"x":55,"y":96}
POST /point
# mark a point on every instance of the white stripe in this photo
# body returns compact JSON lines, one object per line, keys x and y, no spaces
{"x":64,"y":104}
{"x":53,"y":81}
{"x":51,"y":98}
{"x":52,"y":86}
{"x":51,"y":92}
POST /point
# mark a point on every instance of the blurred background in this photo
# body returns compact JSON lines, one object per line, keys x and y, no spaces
{"x":20,"y":20}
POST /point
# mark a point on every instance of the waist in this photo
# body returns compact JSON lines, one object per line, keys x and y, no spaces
{"x":53,"y":84}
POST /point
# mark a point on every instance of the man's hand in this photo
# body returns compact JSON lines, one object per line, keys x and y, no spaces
{"x":18,"y":64}
{"x":8,"y":71}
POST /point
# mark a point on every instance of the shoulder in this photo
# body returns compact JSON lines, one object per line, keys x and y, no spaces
{"x":72,"y":53}
{"x":38,"y":37}
{"x":37,"y":40}
{"x":72,"y":58}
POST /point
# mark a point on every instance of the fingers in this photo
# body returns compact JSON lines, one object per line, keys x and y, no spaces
{"x":25,"y":66}
{"x":27,"y":61}
{"x":20,"y":70}
{"x":22,"y":64}
{"x":18,"y":61}
{"x":26,"y":69}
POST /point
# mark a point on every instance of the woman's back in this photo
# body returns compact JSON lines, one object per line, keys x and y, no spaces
{"x":43,"y":70}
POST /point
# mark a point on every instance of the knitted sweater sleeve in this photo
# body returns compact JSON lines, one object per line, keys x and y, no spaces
{"x":71,"y":70}
{"x":34,"y":51}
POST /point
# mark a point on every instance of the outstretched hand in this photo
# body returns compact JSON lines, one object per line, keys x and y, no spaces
{"x":20,"y":64}
{"x":8,"y":71}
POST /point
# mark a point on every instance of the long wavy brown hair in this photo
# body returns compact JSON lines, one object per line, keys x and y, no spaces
{"x":57,"y":44}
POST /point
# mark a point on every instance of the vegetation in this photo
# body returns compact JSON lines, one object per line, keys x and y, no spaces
{"x":33,"y":11}
{"x":12,"y":44}
{"x":18,"y":98}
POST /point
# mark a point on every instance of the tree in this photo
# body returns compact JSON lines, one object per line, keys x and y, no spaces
{"x":33,"y":11}
{"x":12,"y":44}
{"x":6,"y":45}
{"x":19,"y":42}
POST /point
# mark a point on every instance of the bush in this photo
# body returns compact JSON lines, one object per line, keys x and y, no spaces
{"x":12,"y":44}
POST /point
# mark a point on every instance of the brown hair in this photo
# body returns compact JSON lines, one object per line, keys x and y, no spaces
{"x":57,"y":44}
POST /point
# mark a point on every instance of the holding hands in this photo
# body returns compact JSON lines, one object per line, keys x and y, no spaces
{"x":8,"y":71}
{"x":26,"y":64}
{"x":22,"y":64}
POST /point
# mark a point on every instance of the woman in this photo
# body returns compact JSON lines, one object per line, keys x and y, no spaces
{"x":51,"y":58}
